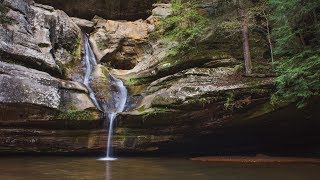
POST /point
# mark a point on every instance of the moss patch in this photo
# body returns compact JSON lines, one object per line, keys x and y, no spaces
{"x":3,"y":18}
{"x":101,"y":83}
{"x":72,"y":67}
{"x":77,"y":115}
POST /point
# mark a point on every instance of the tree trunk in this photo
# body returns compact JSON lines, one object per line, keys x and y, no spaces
{"x":245,"y":38}
{"x":269,"y":38}
{"x":303,"y":42}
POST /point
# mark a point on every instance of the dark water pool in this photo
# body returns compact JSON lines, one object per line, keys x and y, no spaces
{"x":32,"y":168}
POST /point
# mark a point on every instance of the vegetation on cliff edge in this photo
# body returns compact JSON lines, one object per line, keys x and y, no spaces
{"x":291,"y":29}
{"x":186,"y":25}
{"x":296,"y":32}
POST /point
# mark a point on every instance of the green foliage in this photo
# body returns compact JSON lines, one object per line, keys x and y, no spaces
{"x":186,"y":25}
{"x":297,"y":35}
{"x":77,"y":51}
{"x":292,"y":19}
{"x":75,"y":115}
{"x":67,"y":68}
{"x":230,"y":100}
{"x":299,"y":77}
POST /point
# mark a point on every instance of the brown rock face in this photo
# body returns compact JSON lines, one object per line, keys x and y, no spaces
{"x":120,"y":43}
{"x":109,"y":9}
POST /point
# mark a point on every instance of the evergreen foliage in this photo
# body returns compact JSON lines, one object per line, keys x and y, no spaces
{"x":185,"y":25}
{"x":294,"y":40}
{"x":296,"y":33}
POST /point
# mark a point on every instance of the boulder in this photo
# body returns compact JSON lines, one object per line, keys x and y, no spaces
{"x":162,"y":10}
{"x":119,"y":43}
{"x":57,"y":34}
{"x":101,"y":85}
{"x":37,"y":36}
{"x":86,"y":25}
{"x":28,"y":94}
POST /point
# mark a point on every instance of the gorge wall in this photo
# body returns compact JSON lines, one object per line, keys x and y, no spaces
{"x":198,"y":102}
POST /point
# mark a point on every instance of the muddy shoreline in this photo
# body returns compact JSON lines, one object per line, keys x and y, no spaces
{"x":256,"y":159}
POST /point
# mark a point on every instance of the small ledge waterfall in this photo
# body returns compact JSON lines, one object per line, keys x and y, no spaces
{"x":90,"y":62}
{"x":118,"y":101}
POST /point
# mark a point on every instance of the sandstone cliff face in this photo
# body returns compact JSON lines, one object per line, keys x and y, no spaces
{"x":37,"y":36}
{"x":28,"y":94}
{"x":36,"y":45}
{"x":120,"y":43}
{"x":194,"y":102}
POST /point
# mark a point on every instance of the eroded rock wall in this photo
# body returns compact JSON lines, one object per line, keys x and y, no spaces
{"x":196,"y":102}
{"x":38,"y":46}
{"x":108,"y":9}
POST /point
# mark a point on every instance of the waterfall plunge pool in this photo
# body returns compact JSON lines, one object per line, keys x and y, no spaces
{"x":30,"y":168}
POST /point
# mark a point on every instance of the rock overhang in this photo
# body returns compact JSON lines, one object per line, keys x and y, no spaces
{"x":108,"y":9}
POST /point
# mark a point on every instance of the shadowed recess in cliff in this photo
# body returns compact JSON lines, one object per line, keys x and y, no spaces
{"x":109,"y":9}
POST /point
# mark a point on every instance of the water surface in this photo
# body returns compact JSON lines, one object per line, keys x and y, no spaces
{"x":30,"y":168}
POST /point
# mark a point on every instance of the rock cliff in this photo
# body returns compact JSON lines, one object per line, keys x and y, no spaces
{"x":38,"y":45}
{"x":198,"y":101}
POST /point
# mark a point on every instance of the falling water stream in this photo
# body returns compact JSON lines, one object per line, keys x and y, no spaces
{"x":118,"y":96}
{"x":90,"y":62}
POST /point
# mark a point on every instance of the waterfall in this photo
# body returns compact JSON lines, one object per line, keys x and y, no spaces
{"x":118,"y":101}
{"x":90,"y":62}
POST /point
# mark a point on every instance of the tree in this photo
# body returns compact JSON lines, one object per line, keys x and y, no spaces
{"x":262,"y":11}
{"x":265,"y":15}
{"x":245,"y":37}
{"x":296,"y":31}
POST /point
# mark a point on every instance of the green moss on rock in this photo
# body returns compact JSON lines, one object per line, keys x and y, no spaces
{"x":101,"y":84}
{"x":73,"y":66}
{"x":76,"y":115}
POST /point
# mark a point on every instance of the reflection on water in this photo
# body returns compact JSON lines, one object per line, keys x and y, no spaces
{"x":30,"y":168}
{"x":108,"y":170}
